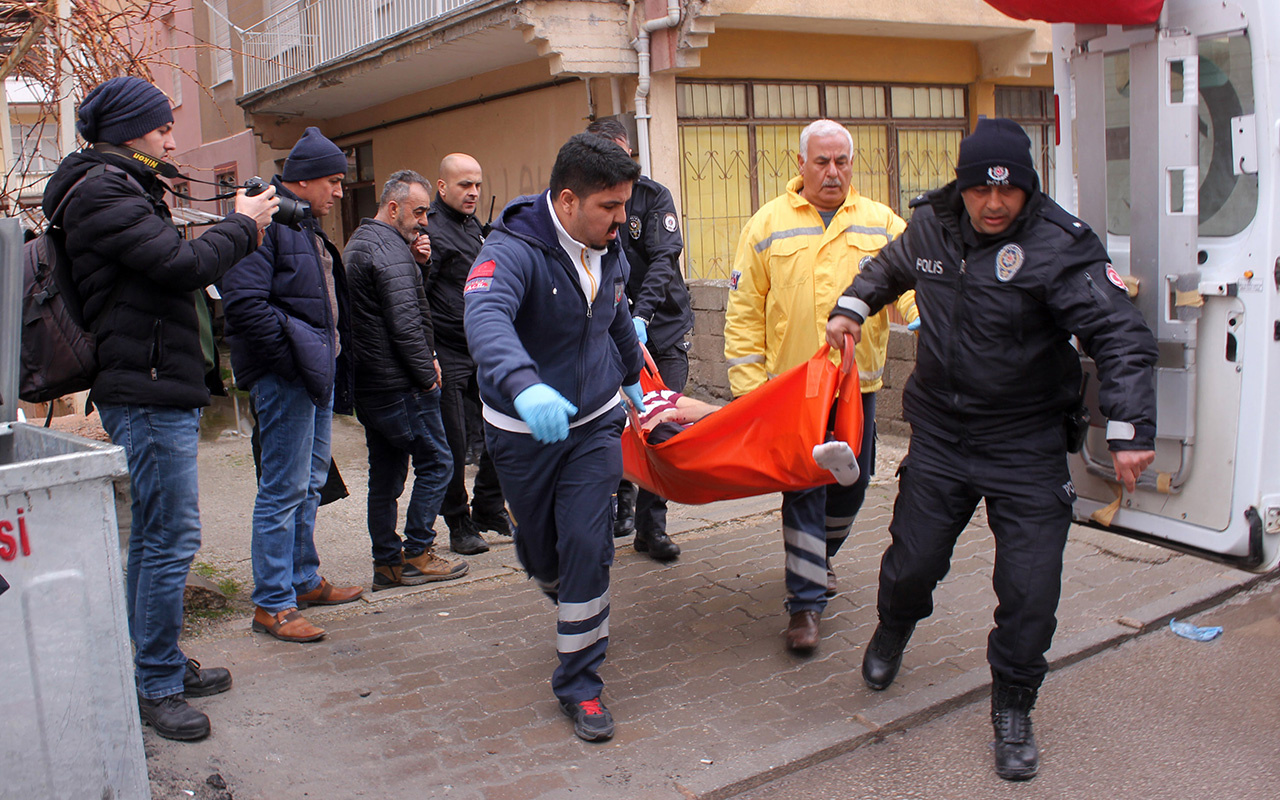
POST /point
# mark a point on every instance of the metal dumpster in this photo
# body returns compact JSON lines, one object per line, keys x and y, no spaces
{"x":69,"y":723}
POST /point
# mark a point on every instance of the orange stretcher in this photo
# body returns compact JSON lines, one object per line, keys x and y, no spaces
{"x":760,"y":443}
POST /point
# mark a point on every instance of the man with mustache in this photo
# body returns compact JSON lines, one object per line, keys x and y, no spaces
{"x":397,"y":383}
{"x":793,"y":256}
{"x":549,"y":328}
{"x":1004,"y":277}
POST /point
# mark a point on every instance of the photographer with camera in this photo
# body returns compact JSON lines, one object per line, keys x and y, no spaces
{"x":142,"y":286}
{"x":286,"y":310}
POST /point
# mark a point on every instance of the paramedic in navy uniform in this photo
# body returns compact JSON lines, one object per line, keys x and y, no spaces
{"x":1003,"y":278}
{"x":548,"y":326}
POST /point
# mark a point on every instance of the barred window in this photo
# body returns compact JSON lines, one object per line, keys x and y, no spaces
{"x":739,"y":142}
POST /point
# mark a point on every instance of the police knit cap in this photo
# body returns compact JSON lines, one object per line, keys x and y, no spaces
{"x":997,"y":153}
{"x":313,"y":157}
{"x":122,"y":109}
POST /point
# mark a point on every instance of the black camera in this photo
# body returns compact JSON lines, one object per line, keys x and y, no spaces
{"x":291,"y":212}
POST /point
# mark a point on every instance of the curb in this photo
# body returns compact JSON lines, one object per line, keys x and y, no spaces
{"x":927,"y":704}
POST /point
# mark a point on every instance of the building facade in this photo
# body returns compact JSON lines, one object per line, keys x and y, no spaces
{"x":401,"y":83}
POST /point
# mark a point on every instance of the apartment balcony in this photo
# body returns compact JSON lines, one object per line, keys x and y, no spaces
{"x":327,"y":58}
{"x":312,"y":33}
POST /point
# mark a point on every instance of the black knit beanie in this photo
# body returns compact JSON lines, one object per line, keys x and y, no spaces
{"x":122,"y":109}
{"x":313,"y":157}
{"x":997,"y":153}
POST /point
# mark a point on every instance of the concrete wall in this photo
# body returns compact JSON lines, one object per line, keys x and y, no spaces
{"x":708,"y":378}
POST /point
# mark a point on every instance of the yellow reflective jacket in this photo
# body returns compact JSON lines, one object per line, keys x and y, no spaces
{"x":787,"y":275}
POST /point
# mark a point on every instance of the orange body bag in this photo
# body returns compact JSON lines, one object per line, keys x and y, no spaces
{"x":760,"y":443}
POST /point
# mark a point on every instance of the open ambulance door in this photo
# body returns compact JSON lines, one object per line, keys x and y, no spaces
{"x":1170,"y":149}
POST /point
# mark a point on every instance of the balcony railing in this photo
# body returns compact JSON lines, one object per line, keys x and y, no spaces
{"x":309,"y":33}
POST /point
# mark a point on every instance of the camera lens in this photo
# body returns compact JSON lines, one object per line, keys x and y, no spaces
{"x":291,"y":212}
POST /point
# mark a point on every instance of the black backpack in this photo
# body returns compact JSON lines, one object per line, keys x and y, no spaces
{"x":59,"y":355}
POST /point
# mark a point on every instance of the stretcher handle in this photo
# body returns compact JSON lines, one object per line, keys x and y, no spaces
{"x":846,"y":355}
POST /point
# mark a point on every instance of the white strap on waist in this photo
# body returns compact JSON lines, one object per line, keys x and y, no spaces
{"x":516,"y":425}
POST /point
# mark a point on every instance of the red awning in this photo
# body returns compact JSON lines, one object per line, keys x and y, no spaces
{"x":1083,"y":12}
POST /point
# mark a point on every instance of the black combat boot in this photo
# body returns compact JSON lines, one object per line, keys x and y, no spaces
{"x":657,"y":544}
{"x":884,"y":655}
{"x":1017,"y":757}
{"x":624,"y":521}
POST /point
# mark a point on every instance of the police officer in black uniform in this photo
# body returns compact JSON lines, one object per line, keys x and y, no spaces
{"x":662,"y":314}
{"x":1003,"y":278}
{"x":456,"y":237}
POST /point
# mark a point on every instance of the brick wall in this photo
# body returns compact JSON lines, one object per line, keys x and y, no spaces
{"x":709,"y":380}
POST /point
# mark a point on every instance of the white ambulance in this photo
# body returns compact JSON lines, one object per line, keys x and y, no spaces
{"x":1170,"y":149}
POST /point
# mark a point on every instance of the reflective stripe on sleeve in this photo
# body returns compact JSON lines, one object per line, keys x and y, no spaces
{"x":1120,"y":431}
{"x":851,"y":303}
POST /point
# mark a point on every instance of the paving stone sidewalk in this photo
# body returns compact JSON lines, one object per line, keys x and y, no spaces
{"x":444,"y":692}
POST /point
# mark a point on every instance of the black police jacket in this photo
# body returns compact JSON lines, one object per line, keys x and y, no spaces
{"x":652,"y":243}
{"x":390,"y":323}
{"x":455,"y":243}
{"x":994,"y":358}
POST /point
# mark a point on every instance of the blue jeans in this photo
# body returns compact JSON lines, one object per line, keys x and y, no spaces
{"x":296,"y":435}
{"x":160,"y":444}
{"x":399,"y":426}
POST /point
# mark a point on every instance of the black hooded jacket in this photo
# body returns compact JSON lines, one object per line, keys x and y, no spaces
{"x":994,"y":358}
{"x":141,"y":282}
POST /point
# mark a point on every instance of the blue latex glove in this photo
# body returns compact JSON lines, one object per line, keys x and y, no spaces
{"x":914,"y":325}
{"x":634,"y":396}
{"x":642,"y":329}
{"x":546,"y":412}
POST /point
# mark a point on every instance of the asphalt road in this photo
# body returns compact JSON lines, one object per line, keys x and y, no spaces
{"x":1157,"y":717}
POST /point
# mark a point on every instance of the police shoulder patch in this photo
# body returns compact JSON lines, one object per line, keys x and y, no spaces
{"x":669,"y":222}
{"x":1008,"y":261}
{"x":1116,"y":280}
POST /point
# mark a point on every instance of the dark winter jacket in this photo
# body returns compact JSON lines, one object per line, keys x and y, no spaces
{"x":390,"y":319}
{"x":141,"y":282}
{"x":455,"y":243}
{"x":652,"y":243}
{"x":528,"y":321}
{"x":994,"y":358}
{"x":279,"y":318}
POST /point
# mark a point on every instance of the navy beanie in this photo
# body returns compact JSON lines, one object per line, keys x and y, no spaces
{"x":997,"y":153}
{"x":313,"y":157}
{"x":122,"y":109}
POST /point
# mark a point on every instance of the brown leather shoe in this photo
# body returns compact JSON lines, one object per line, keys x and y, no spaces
{"x":427,"y":566}
{"x":288,"y":625}
{"x":802,"y":632}
{"x":326,"y":594}
{"x":832,"y":588}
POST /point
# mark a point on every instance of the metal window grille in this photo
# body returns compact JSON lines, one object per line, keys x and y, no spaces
{"x":739,"y":142}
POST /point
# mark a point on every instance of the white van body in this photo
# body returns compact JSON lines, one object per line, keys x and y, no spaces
{"x":1169,"y":149}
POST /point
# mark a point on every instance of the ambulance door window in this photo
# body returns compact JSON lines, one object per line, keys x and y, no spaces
{"x":1228,"y":202}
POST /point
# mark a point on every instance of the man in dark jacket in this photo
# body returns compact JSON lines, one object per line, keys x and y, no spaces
{"x":548,"y":326}
{"x":456,"y":236}
{"x":662,"y":315}
{"x":142,"y":287}
{"x":285,"y":307}
{"x":397,"y":383}
{"x":1003,"y":278}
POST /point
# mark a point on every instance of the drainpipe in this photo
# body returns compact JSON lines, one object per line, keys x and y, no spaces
{"x":641,"y":45}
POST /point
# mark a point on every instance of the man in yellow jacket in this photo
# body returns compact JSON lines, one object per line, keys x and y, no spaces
{"x":794,"y":259}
